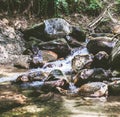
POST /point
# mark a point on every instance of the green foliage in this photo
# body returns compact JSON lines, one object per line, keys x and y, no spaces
{"x":93,"y":7}
{"x":118,"y":6}
{"x":51,"y":8}
{"x":118,"y":1}
{"x":61,"y":6}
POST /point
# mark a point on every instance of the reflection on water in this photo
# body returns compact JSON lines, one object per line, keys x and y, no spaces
{"x":32,"y":102}
{"x":49,"y":104}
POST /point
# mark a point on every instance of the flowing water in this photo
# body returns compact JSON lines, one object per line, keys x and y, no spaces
{"x":30,"y":101}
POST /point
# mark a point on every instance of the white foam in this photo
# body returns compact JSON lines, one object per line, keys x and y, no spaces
{"x":63,"y":65}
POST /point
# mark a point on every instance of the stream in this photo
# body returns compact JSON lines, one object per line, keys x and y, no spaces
{"x":32,"y":102}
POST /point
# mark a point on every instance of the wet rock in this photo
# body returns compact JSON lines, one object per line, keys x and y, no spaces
{"x":40,"y":57}
{"x":91,"y":75}
{"x":73,"y":42}
{"x":57,"y":28}
{"x":82,"y":61}
{"x":56,"y":78}
{"x":29,"y":77}
{"x":52,"y":85}
{"x":59,"y":46}
{"x":93,"y":89}
{"x":78,"y":34}
{"x":55,"y":75}
{"x":115,"y":57}
{"x":101,"y":60}
{"x":114,"y":89}
{"x":96,"y":45}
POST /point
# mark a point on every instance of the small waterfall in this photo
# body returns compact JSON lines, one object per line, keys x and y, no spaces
{"x":63,"y":65}
{"x":72,"y":88}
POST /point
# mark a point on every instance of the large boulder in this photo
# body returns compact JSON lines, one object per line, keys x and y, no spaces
{"x":91,"y":75}
{"x":78,"y":33}
{"x":49,"y":29}
{"x":57,"y":28}
{"x":10,"y":49}
{"x":36,"y":31}
{"x":101,"y":60}
{"x":54,"y":28}
{"x":81,"y":62}
{"x":115,"y":57}
{"x":93,"y":89}
{"x":59,"y":46}
{"x":96,"y":45}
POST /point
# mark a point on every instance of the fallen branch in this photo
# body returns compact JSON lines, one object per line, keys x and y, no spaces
{"x":91,"y":26}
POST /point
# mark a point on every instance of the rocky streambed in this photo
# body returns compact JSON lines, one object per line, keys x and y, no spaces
{"x":66,"y":72}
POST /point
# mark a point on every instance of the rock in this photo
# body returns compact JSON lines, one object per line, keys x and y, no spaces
{"x":91,"y":75}
{"x":116,"y":29}
{"x":73,"y":42}
{"x":101,"y":60}
{"x":55,"y":75}
{"x":57,"y":28}
{"x":32,"y":76}
{"x":54,"y":28}
{"x":22,"y":62}
{"x":114,"y":89}
{"x":93,"y":89}
{"x":52,"y":85}
{"x":59,"y":46}
{"x":31,"y":42}
{"x":36,"y":31}
{"x":96,"y":45}
{"x":40,"y":57}
{"x":7,"y":30}
{"x":82,"y":61}
{"x":78,"y":34}
{"x":50,"y":29}
{"x":10,"y":49}
{"x":115,"y":57}
{"x":55,"y":79}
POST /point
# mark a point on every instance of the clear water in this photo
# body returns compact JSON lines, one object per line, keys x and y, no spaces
{"x":49,"y":104}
